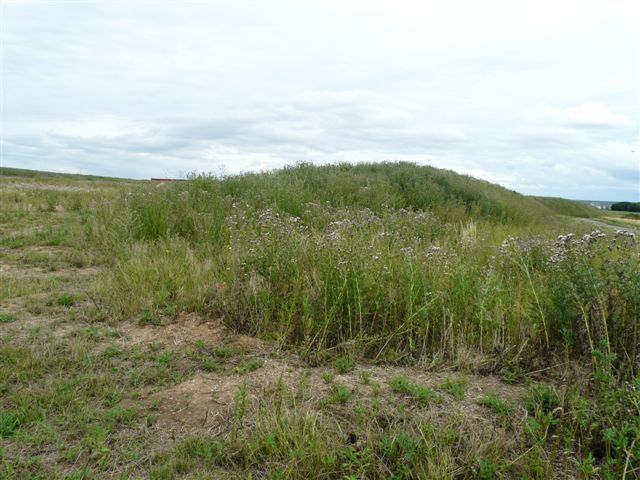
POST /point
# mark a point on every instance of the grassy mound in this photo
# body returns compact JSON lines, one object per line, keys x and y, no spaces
{"x":390,"y":261}
{"x":570,"y":208}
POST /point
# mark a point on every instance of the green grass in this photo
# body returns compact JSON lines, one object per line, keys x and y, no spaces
{"x":423,"y":395}
{"x":343,"y":364}
{"x":393,"y":260}
{"x":65,"y":300}
{"x":495,"y":404}
{"x":339,"y":395}
{"x":57,"y":177}
{"x":455,"y":386}
{"x":570,"y":208}
{"x":9,"y":423}
{"x":249,"y":366}
{"x":500,"y":407}
{"x":7,"y":317}
{"x":294,"y":443}
{"x":351,"y":269}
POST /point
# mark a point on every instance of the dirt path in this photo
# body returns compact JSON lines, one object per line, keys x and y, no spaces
{"x":609,"y":226}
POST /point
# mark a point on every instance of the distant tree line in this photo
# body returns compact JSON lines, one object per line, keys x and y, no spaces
{"x":626,"y":206}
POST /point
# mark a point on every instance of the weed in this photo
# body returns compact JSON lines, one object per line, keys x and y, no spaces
{"x":496,"y":404}
{"x":512,"y":374}
{"x":456,"y":387}
{"x":65,"y":300}
{"x":211,"y":364}
{"x":112,"y":351}
{"x":365,"y":377}
{"x":9,"y":423}
{"x":150,"y":317}
{"x":486,"y":470}
{"x":240,"y":405}
{"x":343,"y":364}
{"x":339,"y":395}
{"x":224,"y":351}
{"x":249,"y":366}
{"x":542,"y":399}
{"x":6,"y":317}
{"x":328,"y":377}
{"x":423,"y":395}
{"x":164,"y":358}
{"x":382,"y":260}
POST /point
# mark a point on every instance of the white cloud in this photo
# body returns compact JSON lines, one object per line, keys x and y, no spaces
{"x":153,"y":90}
{"x":589,"y":114}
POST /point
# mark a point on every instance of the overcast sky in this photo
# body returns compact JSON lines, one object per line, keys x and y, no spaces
{"x":542,"y":97}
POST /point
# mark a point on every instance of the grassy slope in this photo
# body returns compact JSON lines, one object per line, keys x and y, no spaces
{"x":569,"y":208}
{"x":403,"y":185}
{"x":354,"y":284}
{"x":333,"y":254}
{"x":60,"y":177}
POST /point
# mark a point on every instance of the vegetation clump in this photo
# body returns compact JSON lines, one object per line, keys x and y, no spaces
{"x":626,"y":206}
{"x":395,"y":260}
{"x":423,"y":395}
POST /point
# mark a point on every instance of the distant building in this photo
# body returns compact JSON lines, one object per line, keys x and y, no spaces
{"x":599,"y":204}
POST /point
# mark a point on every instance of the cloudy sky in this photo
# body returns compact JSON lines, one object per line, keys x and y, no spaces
{"x":542,"y":97}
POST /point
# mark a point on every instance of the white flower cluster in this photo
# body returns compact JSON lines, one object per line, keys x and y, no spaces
{"x":564,"y":240}
{"x":625,"y":234}
{"x":583,"y":246}
{"x":592,"y":237}
{"x":512,"y":245}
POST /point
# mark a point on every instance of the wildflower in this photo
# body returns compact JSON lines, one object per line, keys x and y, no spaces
{"x":625,"y":233}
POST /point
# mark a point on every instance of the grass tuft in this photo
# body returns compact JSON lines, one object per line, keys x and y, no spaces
{"x":423,"y":395}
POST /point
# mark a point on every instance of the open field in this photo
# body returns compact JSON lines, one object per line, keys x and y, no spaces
{"x":386,"y":321}
{"x":624,"y":219}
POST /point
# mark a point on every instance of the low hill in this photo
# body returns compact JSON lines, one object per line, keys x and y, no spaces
{"x":570,"y":208}
{"x":377,"y":186}
{"x":40,"y":174}
{"x":451,"y":196}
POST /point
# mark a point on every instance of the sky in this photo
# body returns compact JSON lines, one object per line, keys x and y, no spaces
{"x":541,"y":97}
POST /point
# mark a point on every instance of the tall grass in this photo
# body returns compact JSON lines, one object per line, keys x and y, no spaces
{"x":388,"y":261}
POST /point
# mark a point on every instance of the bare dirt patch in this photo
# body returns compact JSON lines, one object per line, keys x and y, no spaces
{"x":23,"y":326}
{"x":20,"y":271}
{"x":187,"y":329}
{"x":47,"y":186}
{"x":205,"y":402}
